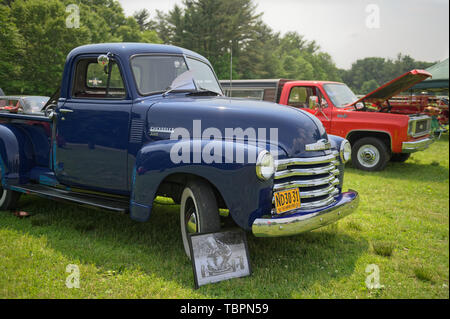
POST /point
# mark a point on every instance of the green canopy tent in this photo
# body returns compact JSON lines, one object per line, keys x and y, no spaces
{"x":439,"y":81}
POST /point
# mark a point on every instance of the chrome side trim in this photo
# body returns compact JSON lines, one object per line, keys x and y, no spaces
{"x":287,"y":226}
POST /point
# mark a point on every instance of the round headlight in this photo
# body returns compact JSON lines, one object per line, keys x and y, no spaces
{"x":265,"y":166}
{"x":345,"y":151}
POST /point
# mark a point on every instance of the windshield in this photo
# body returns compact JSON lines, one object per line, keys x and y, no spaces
{"x":155,"y":74}
{"x":340,"y":94}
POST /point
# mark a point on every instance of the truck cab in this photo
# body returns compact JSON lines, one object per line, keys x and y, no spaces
{"x":134,"y":121}
{"x":376,"y":134}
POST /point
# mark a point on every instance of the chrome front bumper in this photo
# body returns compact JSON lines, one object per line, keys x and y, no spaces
{"x":296,"y":222}
{"x":414,"y":146}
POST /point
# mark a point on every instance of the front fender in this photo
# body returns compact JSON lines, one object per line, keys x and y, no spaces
{"x":246,"y":197}
{"x":16,"y":155}
{"x":335,"y":141}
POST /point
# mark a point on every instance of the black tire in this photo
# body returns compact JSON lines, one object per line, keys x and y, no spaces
{"x":199,"y":212}
{"x":400,"y":157}
{"x":8,"y":199}
{"x":370,"y":154}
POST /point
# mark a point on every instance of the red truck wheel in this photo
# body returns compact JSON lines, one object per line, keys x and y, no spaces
{"x":199,"y":212}
{"x":8,"y":199}
{"x":370,"y":154}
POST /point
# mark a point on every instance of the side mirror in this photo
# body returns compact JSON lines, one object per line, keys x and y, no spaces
{"x":314,"y":102}
{"x":103,"y":60}
{"x":359,"y":106}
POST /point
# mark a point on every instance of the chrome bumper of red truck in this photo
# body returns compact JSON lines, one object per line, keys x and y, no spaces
{"x":419,"y":145}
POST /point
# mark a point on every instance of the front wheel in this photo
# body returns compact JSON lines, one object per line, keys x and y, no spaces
{"x":8,"y":199}
{"x":370,"y":154}
{"x":199,"y":212}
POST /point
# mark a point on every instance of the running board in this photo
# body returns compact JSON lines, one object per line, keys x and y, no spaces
{"x":77,"y":198}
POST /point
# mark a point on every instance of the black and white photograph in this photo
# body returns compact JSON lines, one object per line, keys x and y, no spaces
{"x":219,"y":256}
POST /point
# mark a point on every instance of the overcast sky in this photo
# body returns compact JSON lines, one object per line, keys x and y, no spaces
{"x":352,"y":29}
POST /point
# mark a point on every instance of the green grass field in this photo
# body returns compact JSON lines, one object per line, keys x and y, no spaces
{"x":402,"y":226}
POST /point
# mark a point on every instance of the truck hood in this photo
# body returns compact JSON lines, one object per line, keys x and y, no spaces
{"x":394,"y":87}
{"x":295,"y":128}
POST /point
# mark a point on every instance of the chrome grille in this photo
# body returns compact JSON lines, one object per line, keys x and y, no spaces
{"x":315,"y":177}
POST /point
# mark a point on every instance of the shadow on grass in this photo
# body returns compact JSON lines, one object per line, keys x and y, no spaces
{"x":410,"y":170}
{"x":114,"y":243}
{"x":414,"y":171}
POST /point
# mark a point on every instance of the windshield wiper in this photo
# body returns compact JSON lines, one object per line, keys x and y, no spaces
{"x":185,"y":79}
{"x":175,"y":88}
{"x":203,"y":91}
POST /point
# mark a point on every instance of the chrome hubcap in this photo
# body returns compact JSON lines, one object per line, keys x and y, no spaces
{"x":190,"y":217}
{"x":368,"y":155}
{"x":191,"y":223}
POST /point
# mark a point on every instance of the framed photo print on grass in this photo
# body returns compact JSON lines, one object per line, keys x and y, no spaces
{"x":219,"y":256}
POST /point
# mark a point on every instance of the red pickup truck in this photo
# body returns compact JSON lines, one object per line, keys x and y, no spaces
{"x":377,"y":134}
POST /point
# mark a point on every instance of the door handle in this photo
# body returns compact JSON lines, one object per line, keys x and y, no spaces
{"x":65,"y":111}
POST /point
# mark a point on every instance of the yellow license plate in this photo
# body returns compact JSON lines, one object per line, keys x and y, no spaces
{"x":287,"y":200}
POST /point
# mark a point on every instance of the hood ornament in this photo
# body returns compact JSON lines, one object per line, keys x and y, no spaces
{"x":320,"y":145}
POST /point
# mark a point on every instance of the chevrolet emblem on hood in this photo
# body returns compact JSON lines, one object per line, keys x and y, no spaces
{"x":157,"y":130}
{"x":320,"y":145}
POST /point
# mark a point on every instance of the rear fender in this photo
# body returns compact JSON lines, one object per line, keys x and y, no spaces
{"x":16,"y":156}
{"x":244,"y":194}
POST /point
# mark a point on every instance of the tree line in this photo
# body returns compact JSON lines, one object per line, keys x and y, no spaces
{"x":35,"y":39}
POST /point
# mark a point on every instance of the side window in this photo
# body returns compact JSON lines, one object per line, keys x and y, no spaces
{"x":299,"y":96}
{"x":93,"y":81}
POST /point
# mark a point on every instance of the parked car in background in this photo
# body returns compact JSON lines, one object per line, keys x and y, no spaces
{"x":376,"y":134}
{"x":108,"y":140}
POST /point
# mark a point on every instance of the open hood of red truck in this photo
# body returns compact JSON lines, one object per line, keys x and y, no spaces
{"x":394,"y":87}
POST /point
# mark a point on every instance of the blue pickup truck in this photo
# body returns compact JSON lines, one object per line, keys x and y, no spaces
{"x":134,"y":121}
